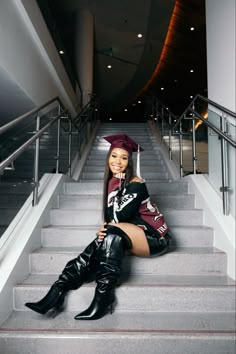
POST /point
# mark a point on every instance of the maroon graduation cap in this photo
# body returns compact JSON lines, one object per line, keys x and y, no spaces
{"x":123,"y":141}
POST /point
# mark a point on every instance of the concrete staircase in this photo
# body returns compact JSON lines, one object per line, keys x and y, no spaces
{"x":182,"y":302}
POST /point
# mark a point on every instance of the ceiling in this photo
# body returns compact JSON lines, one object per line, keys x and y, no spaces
{"x":157,"y":64}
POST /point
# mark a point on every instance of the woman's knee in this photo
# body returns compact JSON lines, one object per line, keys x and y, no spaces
{"x":111,"y":228}
{"x":137,"y":236}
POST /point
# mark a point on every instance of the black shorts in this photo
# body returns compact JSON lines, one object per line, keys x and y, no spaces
{"x":158,"y":245}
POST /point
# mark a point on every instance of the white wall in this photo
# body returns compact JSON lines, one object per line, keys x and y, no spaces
{"x":29,"y":55}
{"x":220,"y":23}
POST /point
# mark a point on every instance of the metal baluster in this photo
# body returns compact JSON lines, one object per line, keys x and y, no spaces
{"x":170,"y":140}
{"x":181,"y":150}
{"x":162,"y":123}
{"x":36,"y":164}
{"x":194,"y":157}
{"x":58,"y":145}
{"x":157,"y":114}
{"x":224,"y":167}
{"x":69,"y":147}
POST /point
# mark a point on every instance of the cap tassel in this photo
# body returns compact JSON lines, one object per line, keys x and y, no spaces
{"x":138,"y":173}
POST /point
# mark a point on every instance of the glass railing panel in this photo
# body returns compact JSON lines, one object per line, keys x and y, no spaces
{"x":17,"y":180}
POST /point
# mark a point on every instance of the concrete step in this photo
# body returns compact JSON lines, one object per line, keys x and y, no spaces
{"x":88,"y":201}
{"x":151,"y":280}
{"x":199,"y":260}
{"x":182,"y":236}
{"x":148,"y":157}
{"x":155,"y":167}
{"x":154,"y":187}
{"x":93,"y":217}
{"x":147,"y":146}
{"x":124,"y":332}
{"x":147,"y":175}
{"x":145,"y":154}
{"x":144,"y":162}
{"x":142,"y":297}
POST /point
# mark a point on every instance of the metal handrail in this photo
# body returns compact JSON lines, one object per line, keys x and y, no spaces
{"x":207,"y":100}
{"x":62,"y":113}
{"x":216,"y":130}
{"x":224,"y":140}
{"x":14,"y":122}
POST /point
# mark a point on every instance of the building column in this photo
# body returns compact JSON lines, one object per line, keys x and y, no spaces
{"x":221,"y":58}
{"x":84,"y":53}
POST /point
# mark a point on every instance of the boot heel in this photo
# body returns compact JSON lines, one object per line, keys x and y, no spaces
{"x":58,"y":308}
{"x":111,"y":309}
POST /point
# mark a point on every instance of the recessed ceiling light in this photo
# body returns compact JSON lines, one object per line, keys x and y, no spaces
{"x":139,"y":35}
{"x":110,"y":118}
{"x":139,"y":101}
{"x":61,"y":52}
{"x":162,"y":88}
{"x":191,"y":96}
{"x":192,"y":28}
{"x":191,"y":71}
{"x":109,"y":66}
{"x":125,"y":109}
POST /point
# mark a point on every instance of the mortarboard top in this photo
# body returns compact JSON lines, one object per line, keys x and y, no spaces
{"x":123,"y":141}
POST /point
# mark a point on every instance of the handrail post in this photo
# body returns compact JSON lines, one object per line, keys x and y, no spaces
{"x":224,"y":168}
{"x":170,"y":140}
{"x":180,"y":149}
{"x":157,"y":114}
{"x":69,"y":147}
{"x":36,"y":164}
{"x":58,"y":145}
{"x":194,"y":157}
{"x":162,"y":123}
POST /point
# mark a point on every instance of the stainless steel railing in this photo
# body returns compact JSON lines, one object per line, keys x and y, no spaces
{"x":75,"y":126}
{"x":174,"y":128}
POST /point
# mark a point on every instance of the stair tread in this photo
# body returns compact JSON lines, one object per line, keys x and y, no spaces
{"x":86,"y":227}
{"x":123,"y":321}
{"x":179,"y":250}
{"x":144,"y":280}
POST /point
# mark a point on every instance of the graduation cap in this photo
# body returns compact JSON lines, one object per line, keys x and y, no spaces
{"x":123,"y":141}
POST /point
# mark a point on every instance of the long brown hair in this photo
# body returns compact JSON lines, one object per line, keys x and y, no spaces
{"x":129,"y":174}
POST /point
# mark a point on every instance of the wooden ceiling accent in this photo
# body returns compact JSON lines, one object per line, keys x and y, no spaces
{"x":183,"y":50}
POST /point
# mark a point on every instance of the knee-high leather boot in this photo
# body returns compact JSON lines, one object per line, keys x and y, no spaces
{"x":110,"y":257}
{"x":73,"y":275}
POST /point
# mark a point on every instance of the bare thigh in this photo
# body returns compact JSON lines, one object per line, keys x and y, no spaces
{"x":137,"y":237}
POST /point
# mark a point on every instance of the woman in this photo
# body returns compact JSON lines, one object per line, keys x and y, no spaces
{"x":131,"y":224}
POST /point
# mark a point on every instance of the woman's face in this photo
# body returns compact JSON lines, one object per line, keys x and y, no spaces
{"x":118,"y":160}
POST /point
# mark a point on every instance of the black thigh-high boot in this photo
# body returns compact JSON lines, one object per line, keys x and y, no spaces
{"x":73,"y":275}
{"x":110,"y":256}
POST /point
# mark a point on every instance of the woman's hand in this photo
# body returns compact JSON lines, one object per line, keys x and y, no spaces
{"x":120,"y":175}
{"x":102,"y":232}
